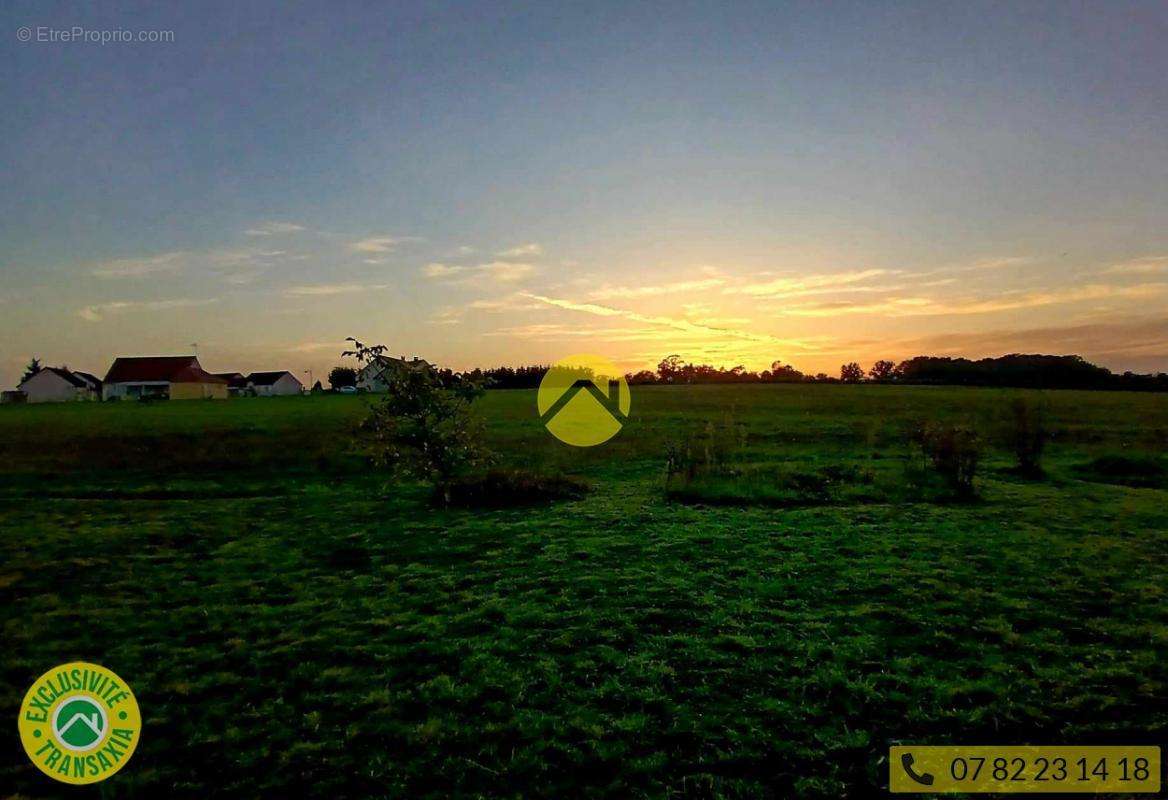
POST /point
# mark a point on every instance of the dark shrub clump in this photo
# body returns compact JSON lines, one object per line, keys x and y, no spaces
{"x":952,"y":452}
{"x":500,"y":488}
{"x":1026,"y":435}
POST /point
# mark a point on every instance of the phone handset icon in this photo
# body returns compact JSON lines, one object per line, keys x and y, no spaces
{"x":906,"y":761}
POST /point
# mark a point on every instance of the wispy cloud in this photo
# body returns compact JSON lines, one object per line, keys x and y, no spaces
{"x":493,"y":272}
{"x":236,"y":264}
{"x":317,"y":347}
{"x":244,"y":256}
{"x":518,"y":301}
{"x":999,"y":262}
{"x":923,"y":306}
{"x":522,"y":251}
{"x":377,"y":244}
{"x":559,"y":331}
{"x":329,"y":289}
{"x":273,"y":228}
{"x":446,"y":316}
{"x":670,"y":322}
{"x":99,"y":311}
{"x":141,"y":267}
{"x":437,"y":271}
{"x":615,"y":292}
{"x":780,"y":287}
{"x":1139,"y":266}
{"x":978,"y":265}
{"x":505,"y":271}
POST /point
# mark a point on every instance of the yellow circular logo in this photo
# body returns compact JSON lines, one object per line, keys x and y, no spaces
{"x":583,"y":400}
{"x":79,"y":723}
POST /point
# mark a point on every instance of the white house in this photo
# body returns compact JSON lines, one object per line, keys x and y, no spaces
{"x":59,"y":385}
{"x":273,"y":384}
{"x":375,"y":376}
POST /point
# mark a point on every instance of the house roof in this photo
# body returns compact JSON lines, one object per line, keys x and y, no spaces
{"x":268,"y":378}
{"x":170,"y":369}
{"x":379,"y":365}
{"x":89,"y":378}
{"x":66,"y":375}
{"x":236,"y":380}
{"x":80,"y":380}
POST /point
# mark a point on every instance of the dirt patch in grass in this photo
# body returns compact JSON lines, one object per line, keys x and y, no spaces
{"x":511,"y":489}
{"x":779,"y":488}
{"x":1145,"y":472}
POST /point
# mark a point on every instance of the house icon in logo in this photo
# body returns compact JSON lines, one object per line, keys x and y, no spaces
{"x":573,"y":406}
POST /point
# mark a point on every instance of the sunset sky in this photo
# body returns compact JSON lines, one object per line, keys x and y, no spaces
{"x":485,"y":184}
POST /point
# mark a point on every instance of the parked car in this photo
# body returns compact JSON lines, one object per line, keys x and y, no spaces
{"x":347,"y":390}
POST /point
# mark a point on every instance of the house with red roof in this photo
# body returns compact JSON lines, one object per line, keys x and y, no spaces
{"x":161,"y":377}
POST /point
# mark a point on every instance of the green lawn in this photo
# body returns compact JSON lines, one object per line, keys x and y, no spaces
{"x":293,"y":625}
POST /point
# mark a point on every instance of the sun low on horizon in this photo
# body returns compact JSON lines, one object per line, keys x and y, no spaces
{"x":506,"y":185}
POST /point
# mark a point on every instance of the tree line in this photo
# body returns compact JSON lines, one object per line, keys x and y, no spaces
{"x":1015,"y":370}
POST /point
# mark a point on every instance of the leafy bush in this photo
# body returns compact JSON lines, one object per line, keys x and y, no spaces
{"x":952,"y":451}
{"x":511,"y":488}
{"x":422,"y":427}
{"x":1027,"y":434}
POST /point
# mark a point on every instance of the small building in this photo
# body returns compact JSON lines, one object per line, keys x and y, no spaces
{"x":376,"y":375}
{"x":60,"y":385}
{"x":162,"y":377}
{"x":9,"y":396}
{"x":274,"y":384}
{"x":236,"y":383}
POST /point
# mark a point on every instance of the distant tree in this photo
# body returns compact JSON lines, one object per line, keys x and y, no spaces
{"x":882,"y":371}
{"x":342,"y":376}
{"x":33,"y":368}
{"x":851,"y":373}
{"x":317,"y":388}
{"x":785,"y":373}
{"x":669,"y":369}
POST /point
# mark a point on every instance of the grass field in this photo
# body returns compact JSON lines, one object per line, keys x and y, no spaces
{"x":294,"y":625}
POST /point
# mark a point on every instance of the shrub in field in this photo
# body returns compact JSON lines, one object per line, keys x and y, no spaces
{"x":952,"y":451}
{"x":422,"y":426}
{"x":708,"y":450}
{"x":1027,"y":434}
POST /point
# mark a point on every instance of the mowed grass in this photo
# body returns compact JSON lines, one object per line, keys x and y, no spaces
{"x":293,"y":625}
